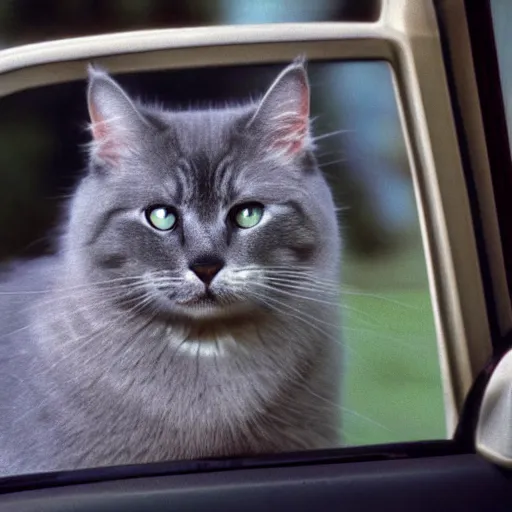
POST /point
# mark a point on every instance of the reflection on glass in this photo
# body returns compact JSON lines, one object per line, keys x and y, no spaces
{"x":391,"y":386}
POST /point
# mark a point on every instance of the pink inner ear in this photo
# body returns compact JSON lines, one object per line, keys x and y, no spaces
{"x":106,"y":146}
{"x":290,"y":139}
{"x":290,"y":132}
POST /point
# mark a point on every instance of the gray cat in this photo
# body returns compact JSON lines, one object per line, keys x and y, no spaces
{"x":192,"y":308}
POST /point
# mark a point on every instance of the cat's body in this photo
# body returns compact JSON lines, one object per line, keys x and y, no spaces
{"x":206,"y":338}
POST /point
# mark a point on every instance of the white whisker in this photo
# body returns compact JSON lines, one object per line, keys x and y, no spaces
{"x":331,"y":134}
{"x":296,"y":295}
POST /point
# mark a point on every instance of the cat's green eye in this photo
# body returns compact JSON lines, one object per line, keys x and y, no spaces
{"x":248,"y":215}
{"x":161,"y":217}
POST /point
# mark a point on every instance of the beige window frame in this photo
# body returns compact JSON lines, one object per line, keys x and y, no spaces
{"x":406,"y":35}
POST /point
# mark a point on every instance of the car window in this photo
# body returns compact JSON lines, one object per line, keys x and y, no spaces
{"x":501,"y":15}
{"x":379,"y":314}
{"x":392,"y":388}
{"x":23,"y":22}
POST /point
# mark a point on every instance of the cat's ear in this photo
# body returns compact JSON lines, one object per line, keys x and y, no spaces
{"x":282,"y":117}
{"x":116,"y":124}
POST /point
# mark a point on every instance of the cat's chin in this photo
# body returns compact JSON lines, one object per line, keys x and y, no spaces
{"x":211,"y":311}
{"x":207,"y":308}
{"x":204,"y":304}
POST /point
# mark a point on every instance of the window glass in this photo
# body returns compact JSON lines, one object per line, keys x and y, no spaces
{"x":31,"y":21}
{"x":390,"y":378}
{"x":502,"y":16}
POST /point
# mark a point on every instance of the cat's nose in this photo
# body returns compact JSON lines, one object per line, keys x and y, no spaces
{"x":207,"y":268}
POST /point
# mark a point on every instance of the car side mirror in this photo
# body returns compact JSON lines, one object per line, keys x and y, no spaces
{"x":494,"y":429}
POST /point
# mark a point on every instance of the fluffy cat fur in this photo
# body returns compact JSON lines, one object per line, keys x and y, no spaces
{"x":114,"y":351}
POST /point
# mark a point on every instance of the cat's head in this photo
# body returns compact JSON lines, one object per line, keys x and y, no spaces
{"x":207,"y":213}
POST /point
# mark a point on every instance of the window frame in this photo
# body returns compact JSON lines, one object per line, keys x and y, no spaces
{"x":407,"y":38}
{"x":458,"y":483}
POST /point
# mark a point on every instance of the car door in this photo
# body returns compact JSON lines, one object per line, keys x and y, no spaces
{"x":441,"y":63}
